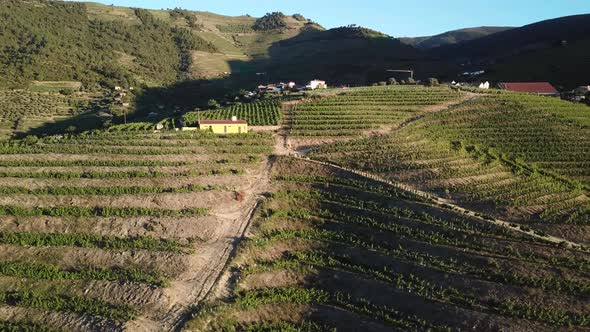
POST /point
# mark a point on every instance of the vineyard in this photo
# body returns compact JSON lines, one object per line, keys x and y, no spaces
{"x":352,"y":112}
{"x":524,"y":158}
{"x":129,"y":228}
{"x":332,"y":251}
{"x":119,"y":230}
{"x":22,"y":110}
{"x":266,"y":113}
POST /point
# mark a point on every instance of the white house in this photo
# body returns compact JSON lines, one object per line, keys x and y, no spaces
{"x":485,"y":85}
{"x":317,"y":84}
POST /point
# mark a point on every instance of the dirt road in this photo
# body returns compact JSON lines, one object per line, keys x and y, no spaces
{"x":209,"y":260}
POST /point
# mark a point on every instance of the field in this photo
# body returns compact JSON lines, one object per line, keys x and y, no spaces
{"x":207,"y":65}
{"x":331,"y":250}
{"x":55,"y":87}
{"x":120,"y":230}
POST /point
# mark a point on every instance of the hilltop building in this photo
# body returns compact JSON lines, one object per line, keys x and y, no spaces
{"x":540,"y":88}
{"x":233,"y":126}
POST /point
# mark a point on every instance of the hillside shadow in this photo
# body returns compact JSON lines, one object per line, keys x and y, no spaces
{"x":343,"y":56}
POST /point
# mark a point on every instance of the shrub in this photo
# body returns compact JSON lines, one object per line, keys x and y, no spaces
{"x":213,"y":104}
{"x":431,"y":82}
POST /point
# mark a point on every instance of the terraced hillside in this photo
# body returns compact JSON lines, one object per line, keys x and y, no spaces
{"x":109,"y":231}
{"x":351,"y":113}
{"x":131,"y":229}
{"x":519,"y":157}
{"x":334,"y":251}
{"x":262,"y":113}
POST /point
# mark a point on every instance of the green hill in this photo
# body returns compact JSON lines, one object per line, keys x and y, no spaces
{"x":109,"y":45}
{"x":452,"y":37}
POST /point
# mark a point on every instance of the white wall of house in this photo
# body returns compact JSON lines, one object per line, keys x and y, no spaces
{"x":317,"y":84}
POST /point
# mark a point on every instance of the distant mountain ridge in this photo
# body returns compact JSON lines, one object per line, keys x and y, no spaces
{"x":528,"y":37}
{"x":452,"y":37}
{"x":555,"y":50}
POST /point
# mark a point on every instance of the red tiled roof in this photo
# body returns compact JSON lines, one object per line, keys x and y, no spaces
{"x":211,"y":122}
{"x":530,"y":87}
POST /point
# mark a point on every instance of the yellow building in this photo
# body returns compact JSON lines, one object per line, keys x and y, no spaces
{"x":233,"y":126}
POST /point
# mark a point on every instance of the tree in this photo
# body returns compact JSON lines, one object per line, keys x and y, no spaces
{"x":213,"y":104}
{"x":271,"y":21}
{"x":411,"y":81}
{"x":392,"y":81}
{"x":299,"y":17}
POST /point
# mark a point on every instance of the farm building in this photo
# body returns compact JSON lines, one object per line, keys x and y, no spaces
{"x":233,"y":126}
{"x":540,"y":88}
{"x":400,"y":75}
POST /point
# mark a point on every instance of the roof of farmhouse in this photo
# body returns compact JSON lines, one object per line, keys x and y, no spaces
{"x":531,"y":87}
{"x":213,"y":122}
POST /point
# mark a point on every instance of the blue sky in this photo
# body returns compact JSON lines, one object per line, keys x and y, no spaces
{"x":394,"y":17}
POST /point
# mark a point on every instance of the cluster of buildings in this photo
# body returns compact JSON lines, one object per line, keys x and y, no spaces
{"x":120,"y":96}
{"x":578,"y":95}
{"x":292,"y":86}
